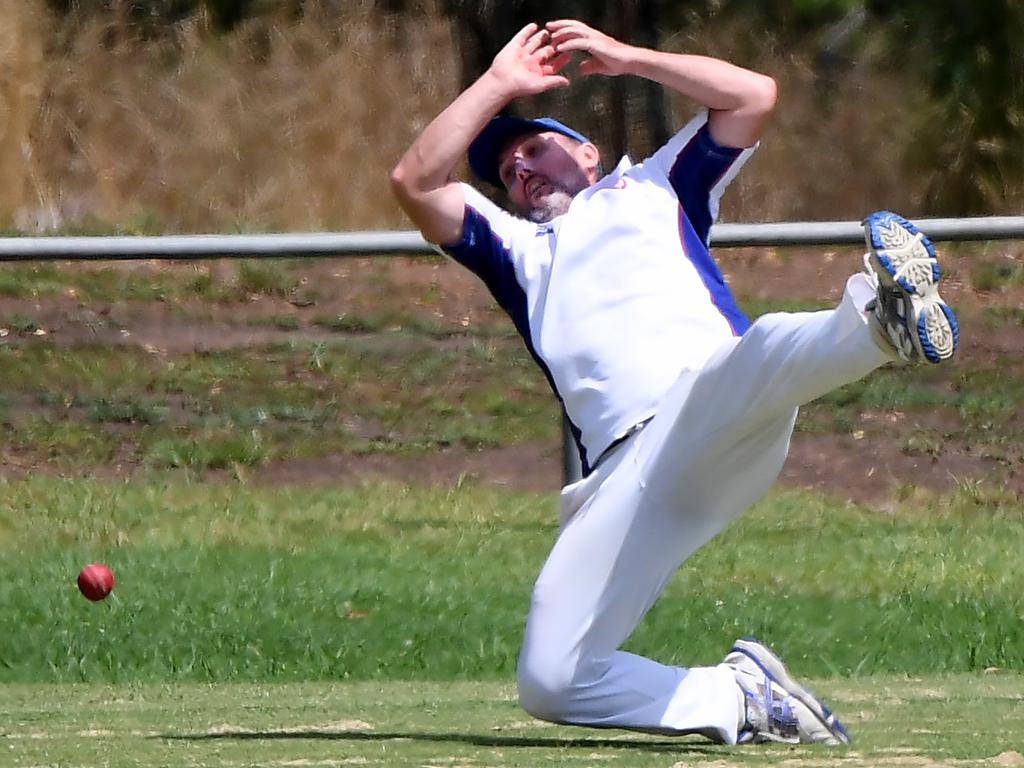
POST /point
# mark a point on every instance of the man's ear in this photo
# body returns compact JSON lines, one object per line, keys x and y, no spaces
{"x":590,"y":160}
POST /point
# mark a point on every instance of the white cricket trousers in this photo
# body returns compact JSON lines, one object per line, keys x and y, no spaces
{"x":716,"y":445}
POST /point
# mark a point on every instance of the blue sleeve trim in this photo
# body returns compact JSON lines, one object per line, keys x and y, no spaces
{"x":483,"y":253}
{"x":711,"y":276}
{"x":698,"y":167}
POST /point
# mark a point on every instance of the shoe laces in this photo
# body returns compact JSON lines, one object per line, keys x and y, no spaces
{"x":769,"y":714}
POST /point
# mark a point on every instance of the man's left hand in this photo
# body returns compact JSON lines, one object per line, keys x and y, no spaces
{"x":608,"y":56}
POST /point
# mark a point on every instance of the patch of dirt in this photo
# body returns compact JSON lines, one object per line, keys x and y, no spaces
{"x":1009,"y":759}
{"x":876,"y":471}
{"x":524,"y":466}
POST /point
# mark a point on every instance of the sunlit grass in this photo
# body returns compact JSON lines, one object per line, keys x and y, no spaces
{"x":235,"y":582}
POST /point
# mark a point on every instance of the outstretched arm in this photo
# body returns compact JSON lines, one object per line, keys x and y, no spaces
{"x":422,"y":180}
{"x":739,"y":100}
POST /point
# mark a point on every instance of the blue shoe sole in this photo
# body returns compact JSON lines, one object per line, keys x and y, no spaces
{"x":874,"y":221}
{"x":930,"y":354}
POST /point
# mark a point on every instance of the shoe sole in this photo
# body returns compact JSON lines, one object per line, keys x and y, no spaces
{"x":902,"y":256}
{"x":908,"y":261}
{"x":773,"y":667}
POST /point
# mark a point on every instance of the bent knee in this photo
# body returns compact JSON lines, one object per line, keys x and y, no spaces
{"x":546,"y":690}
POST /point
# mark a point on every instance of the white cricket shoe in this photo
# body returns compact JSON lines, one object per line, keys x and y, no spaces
{"x":777,"y":707}
{"x":907,"y":311}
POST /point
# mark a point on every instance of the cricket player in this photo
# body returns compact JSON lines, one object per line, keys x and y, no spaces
{"x":682,"y":408}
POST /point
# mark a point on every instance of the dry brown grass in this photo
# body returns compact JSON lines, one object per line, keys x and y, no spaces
{"x":23,"y":36}
{"x":293,"y":125}
{"x":279,"y":125}
{"x":834,"y":149}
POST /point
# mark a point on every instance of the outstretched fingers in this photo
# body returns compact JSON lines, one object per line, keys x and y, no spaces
{"x":607,"y":56}
{"x":548,"y":59}
{"x":539,"y":38}
{"x":561,"y":24}
{"x":524,"y":34}
{"x":531,"y":63}
{"x":567,"y":44}
{"x":551,"y":68}
{"x":571,"y":44}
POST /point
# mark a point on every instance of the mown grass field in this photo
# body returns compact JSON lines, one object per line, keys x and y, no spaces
{"x":230,"y":582}
{"x":335,"y":621}
{"x":379,"y":625}
{"x":899,"y":721}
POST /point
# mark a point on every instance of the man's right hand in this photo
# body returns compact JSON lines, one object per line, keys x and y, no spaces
{"x":528,"y":64}
{"x":423,"y":181}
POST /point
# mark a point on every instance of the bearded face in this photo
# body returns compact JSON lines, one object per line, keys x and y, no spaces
{"x":543,"y":172}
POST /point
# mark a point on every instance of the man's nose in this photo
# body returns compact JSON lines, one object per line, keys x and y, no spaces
{"x":521,"y":169}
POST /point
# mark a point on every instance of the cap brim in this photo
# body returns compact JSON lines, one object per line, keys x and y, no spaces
{"x":484,"y":151}
{"x":486,"y":148}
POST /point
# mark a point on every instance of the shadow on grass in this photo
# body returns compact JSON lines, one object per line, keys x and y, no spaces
{"x":673,"y":745}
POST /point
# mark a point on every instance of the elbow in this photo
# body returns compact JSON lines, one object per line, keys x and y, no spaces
{"x":764,"y":93}
{"x":408,"y":183}
{"x":400,"y":181}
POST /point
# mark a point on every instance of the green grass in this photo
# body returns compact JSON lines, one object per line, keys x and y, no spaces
{"x":93,"y":283}
{"x":977,"y":403}
{"x":383,"y":301}
{"x":232,"y":582}
{"x":173,"y":281}
{"x":754,"y":307}
{"x":996,"y":316}
{"x":76,"y":406}
{"x":408,"y":321}
{"x":254,"y":625}
{"x":936,"y":721}
{"x":396,"y":393}
{"x":397,"y":377}
{"x":987,"y":275}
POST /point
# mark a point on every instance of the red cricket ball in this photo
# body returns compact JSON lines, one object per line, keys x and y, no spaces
{"x":95,"y":581}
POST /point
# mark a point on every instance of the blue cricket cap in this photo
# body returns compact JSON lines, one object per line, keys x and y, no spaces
{"x":483,"y":152}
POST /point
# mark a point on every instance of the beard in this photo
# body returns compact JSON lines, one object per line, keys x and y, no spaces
{"x":557,"y":201}
{"x":554,"y":204}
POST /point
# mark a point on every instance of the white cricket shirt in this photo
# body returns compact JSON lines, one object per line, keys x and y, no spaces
{"x":618,"y":296}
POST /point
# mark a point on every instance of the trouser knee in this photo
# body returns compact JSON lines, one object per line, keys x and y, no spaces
{"x":546,"y":689}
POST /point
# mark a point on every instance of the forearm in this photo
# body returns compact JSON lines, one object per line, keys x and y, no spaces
{"x":712,"y":82}
{"x":422,"y":181}
{"x":429,"y":163}
{"x":740,"y":100}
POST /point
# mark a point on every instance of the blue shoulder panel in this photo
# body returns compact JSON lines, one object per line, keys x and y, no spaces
{"x":699,"y":166}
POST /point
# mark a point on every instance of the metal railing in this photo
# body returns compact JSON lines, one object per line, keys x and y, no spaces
{"x":120,"y":248}
{"x":321,"y":244}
